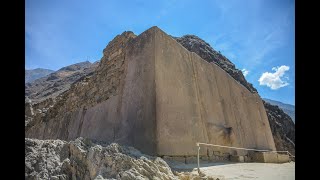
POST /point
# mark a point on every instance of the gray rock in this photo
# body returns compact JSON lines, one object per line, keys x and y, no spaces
{"x":282,"y":127}
{"x":84,"y":159}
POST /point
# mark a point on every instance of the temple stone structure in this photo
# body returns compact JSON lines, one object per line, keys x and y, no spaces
{"x":152,"y":93}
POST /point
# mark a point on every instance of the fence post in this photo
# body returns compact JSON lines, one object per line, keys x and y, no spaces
{"x":198,"y":158}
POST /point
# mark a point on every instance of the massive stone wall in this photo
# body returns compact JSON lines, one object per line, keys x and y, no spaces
{"x":199,"y":102}
{"x":151,"y":93}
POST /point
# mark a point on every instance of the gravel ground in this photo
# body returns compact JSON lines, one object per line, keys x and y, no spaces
{"x":265,"y":171}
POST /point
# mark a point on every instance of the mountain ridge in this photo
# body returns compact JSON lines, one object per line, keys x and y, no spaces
{"x":284,"y":103}
{"x":287,"y":108}
{"x":58,"y":81}
{"x":33,"y":74}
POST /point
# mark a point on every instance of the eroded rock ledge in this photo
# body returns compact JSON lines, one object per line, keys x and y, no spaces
{"x":86,"y":159}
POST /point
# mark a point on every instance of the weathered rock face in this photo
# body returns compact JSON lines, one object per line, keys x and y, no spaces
{"x":151,"y":93}
{"x":287,"y":108}
{"x":283,"y":131}
{"x":84,"y":159}
{"x":87,"y":160}
{"x":282,"y":127}
{"x":42,"y":93}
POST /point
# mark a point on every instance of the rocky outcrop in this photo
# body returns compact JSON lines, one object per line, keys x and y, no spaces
{"x":42,"y":93}
{"x":88,"y":160}
{"x":287,"y":108}
{"x":84,"y":159}
{"x":282,"y":127}
{"x":37,"y":110}
{"x":84,"y":93}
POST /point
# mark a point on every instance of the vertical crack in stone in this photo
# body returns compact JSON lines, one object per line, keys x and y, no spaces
{"x":204,"y":132}
{"x":83,"y":113}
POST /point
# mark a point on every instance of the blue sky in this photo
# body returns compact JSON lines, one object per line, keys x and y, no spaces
{"x":256,"y":35}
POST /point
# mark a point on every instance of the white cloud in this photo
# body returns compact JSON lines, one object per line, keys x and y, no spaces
{"x":275,"y":80}
{"x":245,"y":72}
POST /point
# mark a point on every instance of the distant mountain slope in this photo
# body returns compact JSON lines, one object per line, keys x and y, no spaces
{"x":33,"y":74}
{"x":287,"y":108}
{"x":58,"y":81}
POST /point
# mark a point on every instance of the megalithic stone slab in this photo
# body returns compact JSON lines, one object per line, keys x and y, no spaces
{"x":152,"y":93}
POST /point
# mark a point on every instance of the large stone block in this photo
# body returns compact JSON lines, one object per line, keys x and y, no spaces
{"x":160,"y":98}
{"x":265,"y":157}
{"x":283,"y":158}
{"x":270,"y":157}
